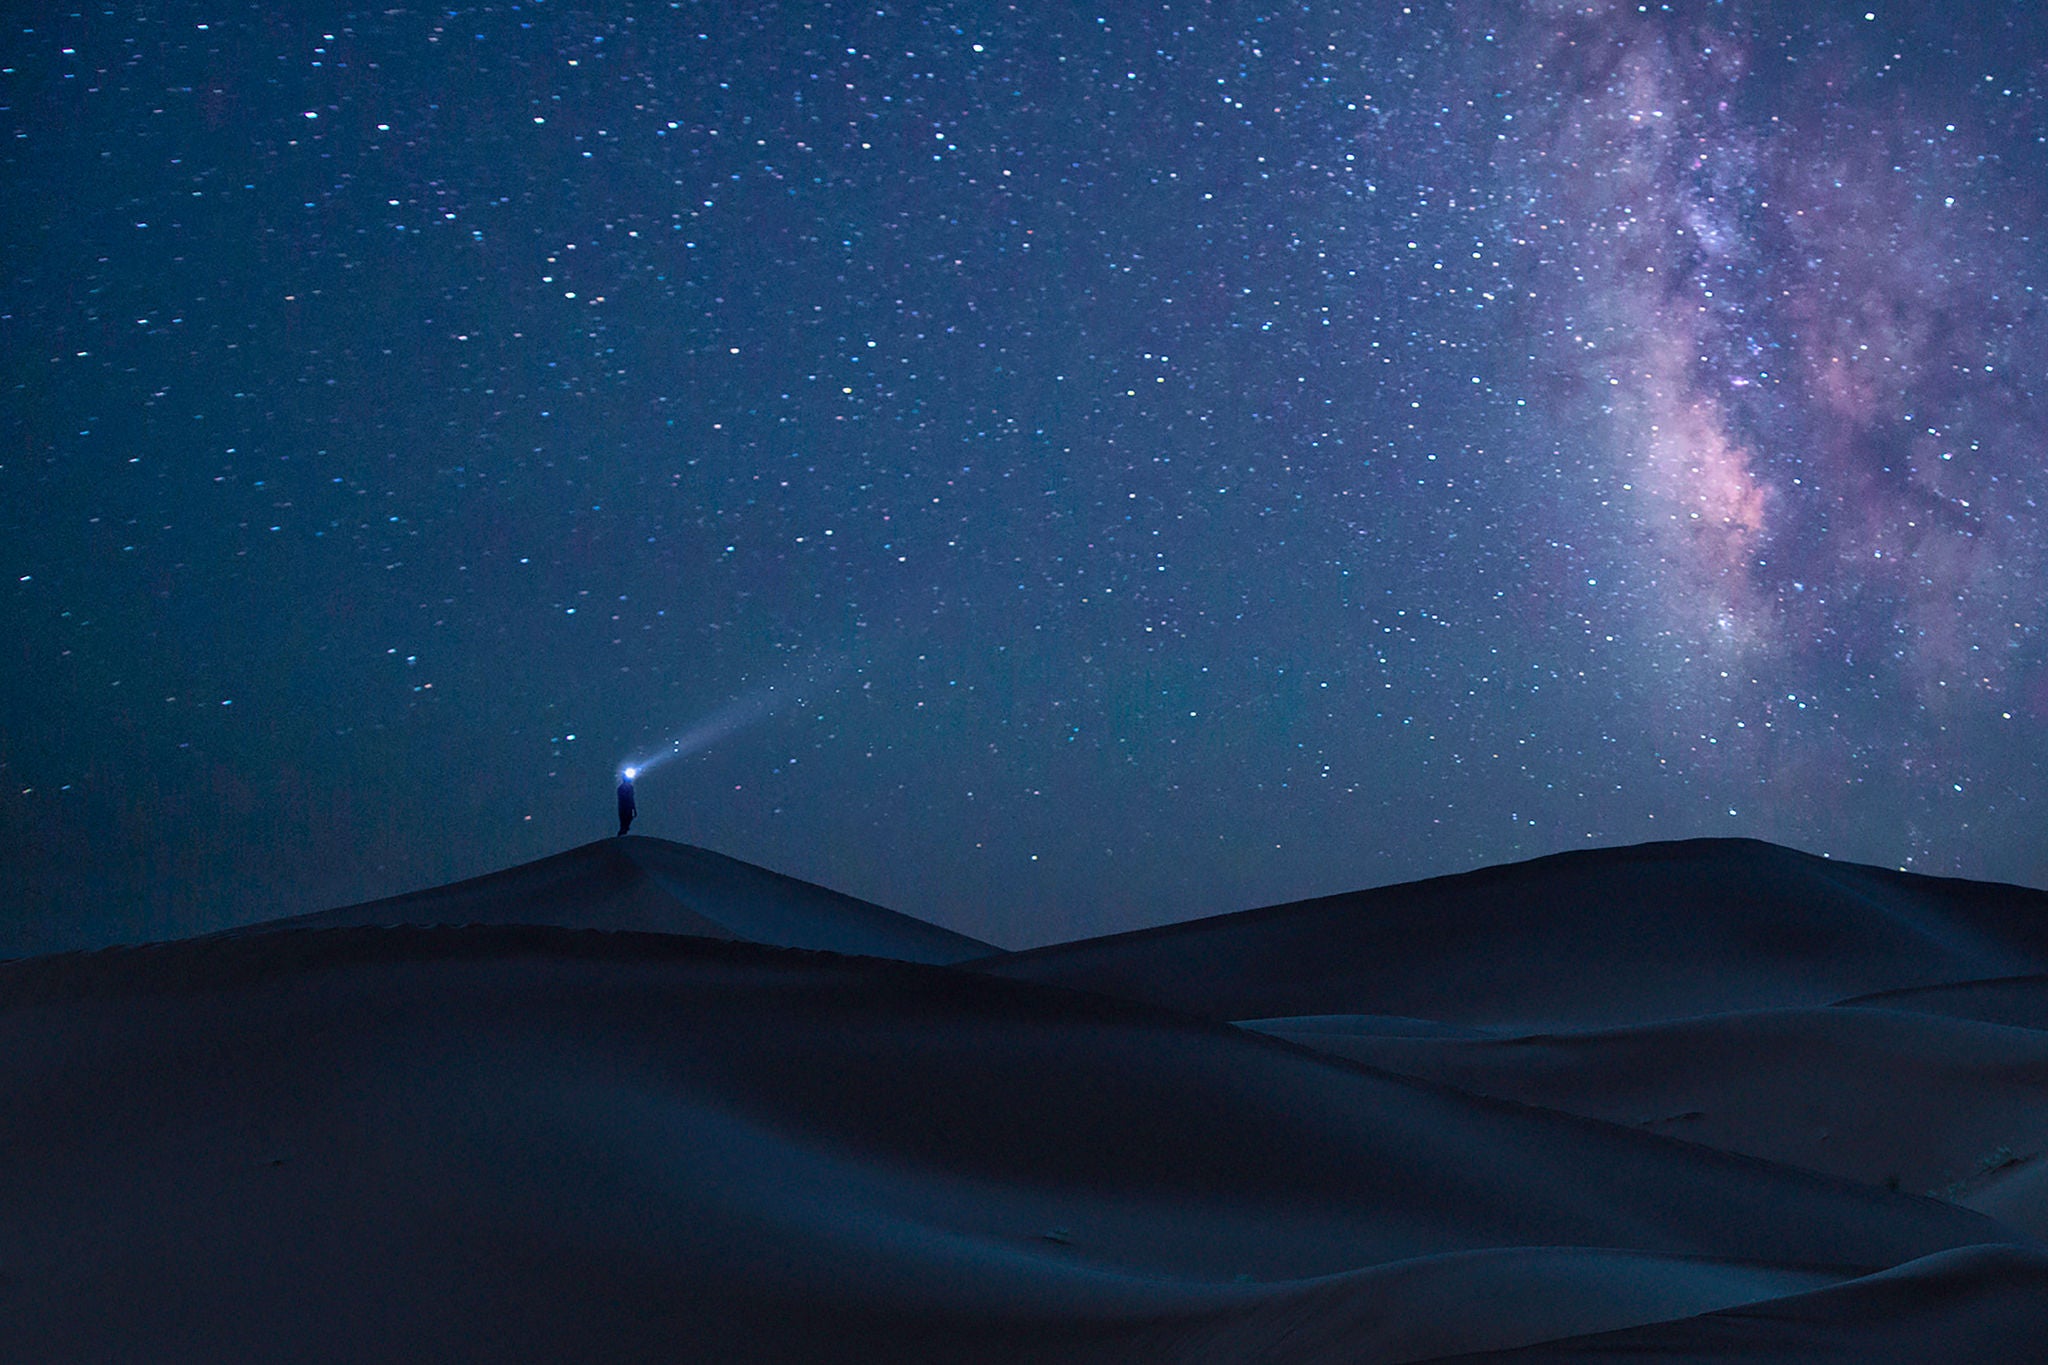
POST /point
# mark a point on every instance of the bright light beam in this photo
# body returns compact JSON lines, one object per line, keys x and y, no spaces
{"x":734,"y":715}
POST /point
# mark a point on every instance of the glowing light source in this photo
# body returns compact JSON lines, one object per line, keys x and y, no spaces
{"x":734,"y":715}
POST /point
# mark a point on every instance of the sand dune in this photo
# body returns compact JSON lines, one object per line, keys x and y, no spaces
{"x":504,"y":1121}
{"x":1917,"y":1101}
{"x":667,"y":888}
{"x":1582,"y":939}
{"x":2012,"y":1188}
{"x":1969,"y":1304}
{"x":2021,"y":1001}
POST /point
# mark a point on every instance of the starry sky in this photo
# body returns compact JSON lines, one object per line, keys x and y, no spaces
{"x":1052,"y":469}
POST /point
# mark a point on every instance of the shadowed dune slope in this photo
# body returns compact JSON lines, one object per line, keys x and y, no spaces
{"x":2011,"y":1180}
{"x":1921,"y":1101}
{"x":517,"y":1142}
{"x":1981,"y":1303}
{"x":656,"y":886}
{"x":2021,"y":1001}
{"x":1594,"y":938}
{"x":2016,"y":1193}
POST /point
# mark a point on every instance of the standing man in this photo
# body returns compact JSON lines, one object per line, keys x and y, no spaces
{"x":626,"y":809}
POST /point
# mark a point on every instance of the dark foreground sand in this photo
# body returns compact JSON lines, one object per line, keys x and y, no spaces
{"x":571,"y":1113}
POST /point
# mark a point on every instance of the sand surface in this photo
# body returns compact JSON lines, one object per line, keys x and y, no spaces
{"x":1583,"y":939}
{"x":664,"y":888}
{"x":501,"y":1122}
{"x":1917,"y":1101}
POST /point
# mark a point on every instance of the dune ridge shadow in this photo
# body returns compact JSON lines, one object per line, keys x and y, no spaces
{"x":639,"y":1100}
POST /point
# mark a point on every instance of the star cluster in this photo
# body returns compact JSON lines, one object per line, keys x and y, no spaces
{"x":1121,"y":464}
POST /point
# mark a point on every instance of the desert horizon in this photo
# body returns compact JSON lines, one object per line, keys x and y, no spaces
{"x":1705,"y":1100}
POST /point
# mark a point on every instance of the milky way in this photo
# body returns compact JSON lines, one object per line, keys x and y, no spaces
{"x":1807,"y":276}
{"x":1158,"y":460}
{"x":1813,"y":307}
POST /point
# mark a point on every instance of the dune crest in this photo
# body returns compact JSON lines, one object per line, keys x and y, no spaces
{"x":1589,"y":938}
{"x":641,"y":1102}
{"x":658,"y":886}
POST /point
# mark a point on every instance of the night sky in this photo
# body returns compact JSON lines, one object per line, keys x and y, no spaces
{"x":1080,"y":467}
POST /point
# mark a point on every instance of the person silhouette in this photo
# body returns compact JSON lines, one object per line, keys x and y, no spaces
{"x":626,"y":808}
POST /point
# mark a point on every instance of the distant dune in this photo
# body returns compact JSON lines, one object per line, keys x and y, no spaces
{"x":1602,"y":937}
{"x":642,"y":1102}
